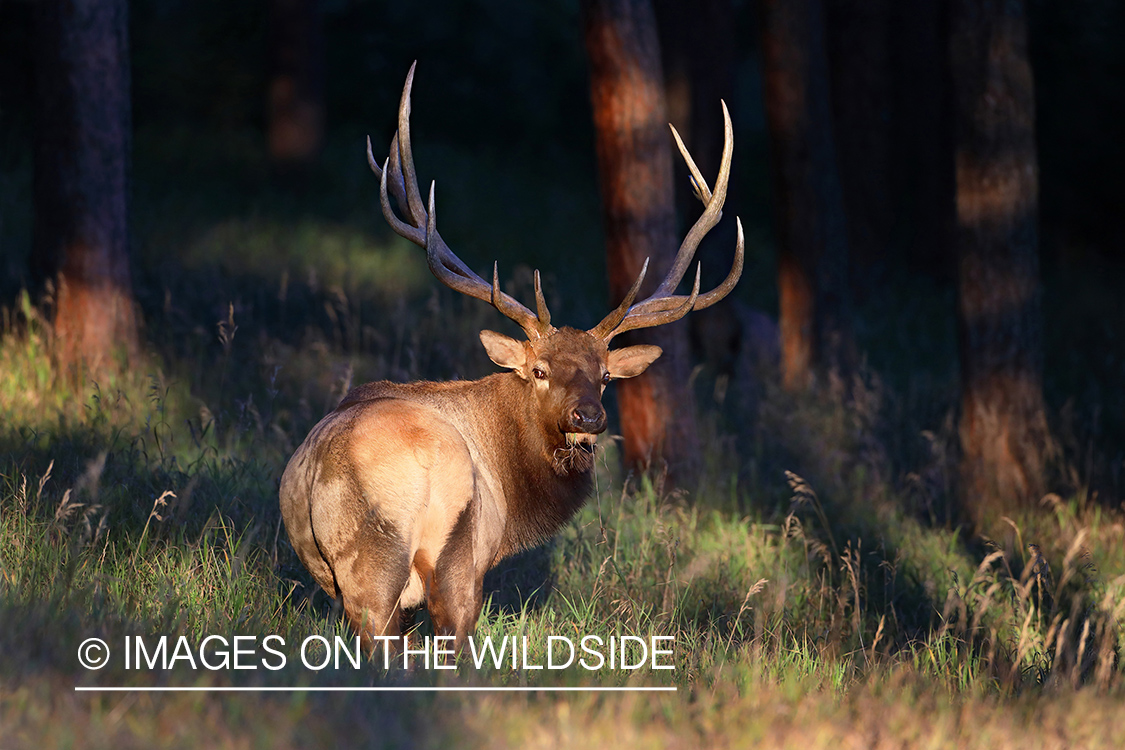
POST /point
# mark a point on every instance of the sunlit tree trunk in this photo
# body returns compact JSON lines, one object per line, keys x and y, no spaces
{"x":82,"y":150}
{"x":295,"y":117}
{"x":1003,"y":428}
{"x":808,"y":203}
{"x":634,"y":154}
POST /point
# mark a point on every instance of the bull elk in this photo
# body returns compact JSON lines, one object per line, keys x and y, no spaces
{"x":408,"y":493}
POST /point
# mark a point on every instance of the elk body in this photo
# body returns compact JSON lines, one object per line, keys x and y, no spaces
{"x":407,"y":494}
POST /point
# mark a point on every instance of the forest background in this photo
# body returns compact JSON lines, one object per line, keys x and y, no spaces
{"x":828,"y":557}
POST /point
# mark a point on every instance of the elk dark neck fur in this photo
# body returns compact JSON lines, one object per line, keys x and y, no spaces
{"x":540,"y":499}
{"x":500,"y":416}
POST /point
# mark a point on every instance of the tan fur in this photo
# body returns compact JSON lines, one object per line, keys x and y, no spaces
{"x":403,"y":472}
{"x":407,"y":494}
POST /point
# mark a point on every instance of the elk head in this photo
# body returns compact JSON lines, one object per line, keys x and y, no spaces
{"x":566,"y":370}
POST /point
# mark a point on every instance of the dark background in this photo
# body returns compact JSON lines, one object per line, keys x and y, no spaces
{"x":510,"y":77}
{"x":501,"y":90}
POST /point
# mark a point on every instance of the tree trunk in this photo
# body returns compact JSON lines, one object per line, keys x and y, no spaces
{"x":296,"y":89}
{"x":82,"y":150}
{"x":634,"y":154}
{"x":1003,"y":427}
{"x":808,"y":202}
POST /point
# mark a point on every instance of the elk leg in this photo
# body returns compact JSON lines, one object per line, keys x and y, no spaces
{"x":370,"y":585}
{"x":456,"y":589}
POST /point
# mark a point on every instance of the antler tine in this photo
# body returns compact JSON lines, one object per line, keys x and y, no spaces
{"x":401,"y":228}
{"x":398,"y":186}
{"x":438,"y":256}
{"x":395,"y":184}
{"x":604,"y":329}
{"x":709,"y":298}
{"x":410,"y":177}
{"x":541,"y":310}
{"x":722,"y":290}
{"x":534,"y":326}
{"x":698,"y":184}
{"x":399,"y":176}
{"x":711,"y":214}
{"x":371,"y":161}
{"x":650,"y":319}
{"x":664,"y":306}
{"x":390,"y":177}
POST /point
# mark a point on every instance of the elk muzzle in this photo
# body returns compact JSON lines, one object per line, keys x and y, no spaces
{"x":584,"y":423}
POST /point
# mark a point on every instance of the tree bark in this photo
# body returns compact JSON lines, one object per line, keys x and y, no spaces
{"x":82,"y":150}
{"x":1003,"y":427}
{"x":295,"y":127}
{"x":811,"y":230}
{"x":634,"y":155}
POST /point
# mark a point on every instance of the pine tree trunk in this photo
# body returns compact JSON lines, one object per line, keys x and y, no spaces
{"x":634,"y":154}
{"x":82,"y":149}
{"x":295,"y":117}
{"x":1003,"y":428}
{"x":808,"y":201}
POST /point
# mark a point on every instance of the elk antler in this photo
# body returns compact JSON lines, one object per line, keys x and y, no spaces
{"x":664,"y":306}
{"x":397,"y":175}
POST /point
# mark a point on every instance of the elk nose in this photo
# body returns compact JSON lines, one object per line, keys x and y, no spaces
{"x":589,"y":418}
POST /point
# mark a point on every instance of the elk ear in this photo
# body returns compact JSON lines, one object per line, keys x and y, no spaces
{"x":504,"y":351}
{"x":632,"y":360}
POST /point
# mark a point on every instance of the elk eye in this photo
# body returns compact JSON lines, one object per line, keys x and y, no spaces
{"x":539,"y":374}
{"x":605,"y":379}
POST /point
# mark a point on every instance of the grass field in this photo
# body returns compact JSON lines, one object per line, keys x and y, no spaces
{"x":816,"y":590}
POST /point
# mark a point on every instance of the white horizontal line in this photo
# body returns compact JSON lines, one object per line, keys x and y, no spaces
{"x":384,"y":689}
